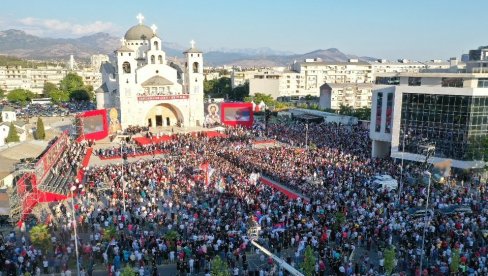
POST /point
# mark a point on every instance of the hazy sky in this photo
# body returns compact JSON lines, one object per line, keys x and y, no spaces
{"x":414,"y":29}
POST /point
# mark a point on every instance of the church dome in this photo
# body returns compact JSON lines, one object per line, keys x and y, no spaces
{"x":139,"y":32}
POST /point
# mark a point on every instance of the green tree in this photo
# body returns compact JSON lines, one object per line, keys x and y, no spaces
{"x":59,"y":96}
{"x":308,"y":266}
{"x":172,"y":236}
{"x":21,"y":96}
{"x":258,"y":97}
{"x":2,"y":93}
{"x":40,"y":132}
{"x":455,"y":258}
{"x":41,"y":237}
{"x":128,"y":271}
{"x":240,"y":92}
{"x":109,"y":233}
{"x":52,"y":91}
{"x":71,"y":82}
{"x":390,"y":259}
{"x":219,"y":267}
{"x":80,"y":95}
{"x":12,"y":135}
{"x":48,"y":88}
{"x":346,"y":110}
{"x":363,"y":113}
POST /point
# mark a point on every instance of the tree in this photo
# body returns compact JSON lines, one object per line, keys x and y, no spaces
{"x":12,"y":135}
{"x":109,"y":233}
{"x":218,"y":88}
{"x":71,"y":82}
{"x":20,"y":96}
{"x":390,"y":259}
{"x":240,"y":92}
{"x":52,"y":91}
{"x":2,"y":93}
{"x":80,"y":95}
{"x":172,"y":236}
{"x":454,"y":266}
{"x":48,"y":88}
{"x":41,"y":237}
{"x":308,"y":266}
{"x":258,"y":97}
{"x":346,"y":110}
{"x":128,"y":271}
{"x":40,"y":132}
{"x":219,"y":267}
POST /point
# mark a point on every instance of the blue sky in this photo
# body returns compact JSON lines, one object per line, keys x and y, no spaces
{"x":414,"y":29}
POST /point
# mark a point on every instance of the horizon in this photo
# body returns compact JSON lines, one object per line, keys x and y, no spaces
{"x":348,"y":26}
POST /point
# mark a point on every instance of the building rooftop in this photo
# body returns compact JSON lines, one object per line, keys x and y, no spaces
{"x":157,"y":81}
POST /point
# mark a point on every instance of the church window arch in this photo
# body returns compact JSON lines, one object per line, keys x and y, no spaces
{"x":195,"y":67}
{"x":153,"y":59}
{"x":126,"y":67}
{"x":156,"y":45}
{"x":160,"y":59}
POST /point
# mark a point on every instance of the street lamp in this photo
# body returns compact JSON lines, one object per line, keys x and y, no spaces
{"x":122,"y":181}
{"x":72,"y":189}
{"x":253,"y":234}
{"x":306,"y":134}
{"x":426,"y":218}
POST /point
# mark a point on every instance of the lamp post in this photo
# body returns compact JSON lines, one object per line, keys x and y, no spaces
{"x":426,"y":218}
{"x":122,"y":180}
{"x":253,"y":234}
{"x":400,"y":190}
{"x":72,"y":189}
{"x":306,"y":134}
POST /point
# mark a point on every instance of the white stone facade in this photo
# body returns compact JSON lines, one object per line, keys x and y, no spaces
{"x":147,"y":89}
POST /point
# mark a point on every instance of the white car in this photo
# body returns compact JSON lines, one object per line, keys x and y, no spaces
{"x":385,"y":182}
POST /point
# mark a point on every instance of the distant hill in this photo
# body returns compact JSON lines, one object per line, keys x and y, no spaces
{"x":20,"y":44}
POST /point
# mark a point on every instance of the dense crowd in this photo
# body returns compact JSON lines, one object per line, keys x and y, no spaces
{"x":199,"y":200}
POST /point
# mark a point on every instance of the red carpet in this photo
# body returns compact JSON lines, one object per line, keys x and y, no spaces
{"x":84,"y":164}
{"x":286,"y":192}
{"x":131,"y":155}
{"x":154,"y":140}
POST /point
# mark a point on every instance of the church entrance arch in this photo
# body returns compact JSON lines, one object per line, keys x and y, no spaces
{"x":163,"y":115}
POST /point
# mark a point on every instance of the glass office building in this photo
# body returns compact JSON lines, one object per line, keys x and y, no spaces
{"x":457,"y":125}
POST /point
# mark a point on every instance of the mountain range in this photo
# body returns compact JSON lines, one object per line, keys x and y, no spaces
{"x":20,"y":44}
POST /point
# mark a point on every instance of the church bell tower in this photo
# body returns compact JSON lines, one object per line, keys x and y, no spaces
{"x":194,"y":83}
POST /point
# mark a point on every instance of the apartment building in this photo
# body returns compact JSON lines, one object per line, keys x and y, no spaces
{"x":33,"y":79}
{"x":356,"y":95}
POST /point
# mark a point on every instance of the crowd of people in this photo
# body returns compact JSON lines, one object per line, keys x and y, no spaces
{"x":200,"y":199}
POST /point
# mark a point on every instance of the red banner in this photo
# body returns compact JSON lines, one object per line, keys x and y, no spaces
{"x":50,"y":157}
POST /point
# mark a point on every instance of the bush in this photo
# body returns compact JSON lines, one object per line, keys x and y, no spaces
{"x":12,"y":136}
{"x":308,"y":265}
{"x":219,"y":267}
{"x":40,"y":132}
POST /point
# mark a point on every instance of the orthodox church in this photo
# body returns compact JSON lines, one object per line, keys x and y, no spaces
{"x":141,"y":88}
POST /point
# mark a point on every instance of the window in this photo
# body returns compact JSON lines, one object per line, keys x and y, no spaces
{"x":379,"y":106}
{"x":414,"y":81}
{"x":126,"y":67}
{"x":388,"y":80}
{"x":160,"y":59}
{"x":156,"y":46}
{"x":195,"y":67}
{"x":153,"y":60}
{"x":389,"y":112}
{"x":482,"y":83}
{"x":452,"y":82}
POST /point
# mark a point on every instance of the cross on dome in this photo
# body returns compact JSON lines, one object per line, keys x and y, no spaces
{"x":192,"y":42}
{"x":122,"y":41}
{"x":154,"y":28}
{"x":140,"y":17}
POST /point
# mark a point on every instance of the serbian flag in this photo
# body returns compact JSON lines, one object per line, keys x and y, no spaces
{"x":279,"y":227}
{"x":208,"y":172}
